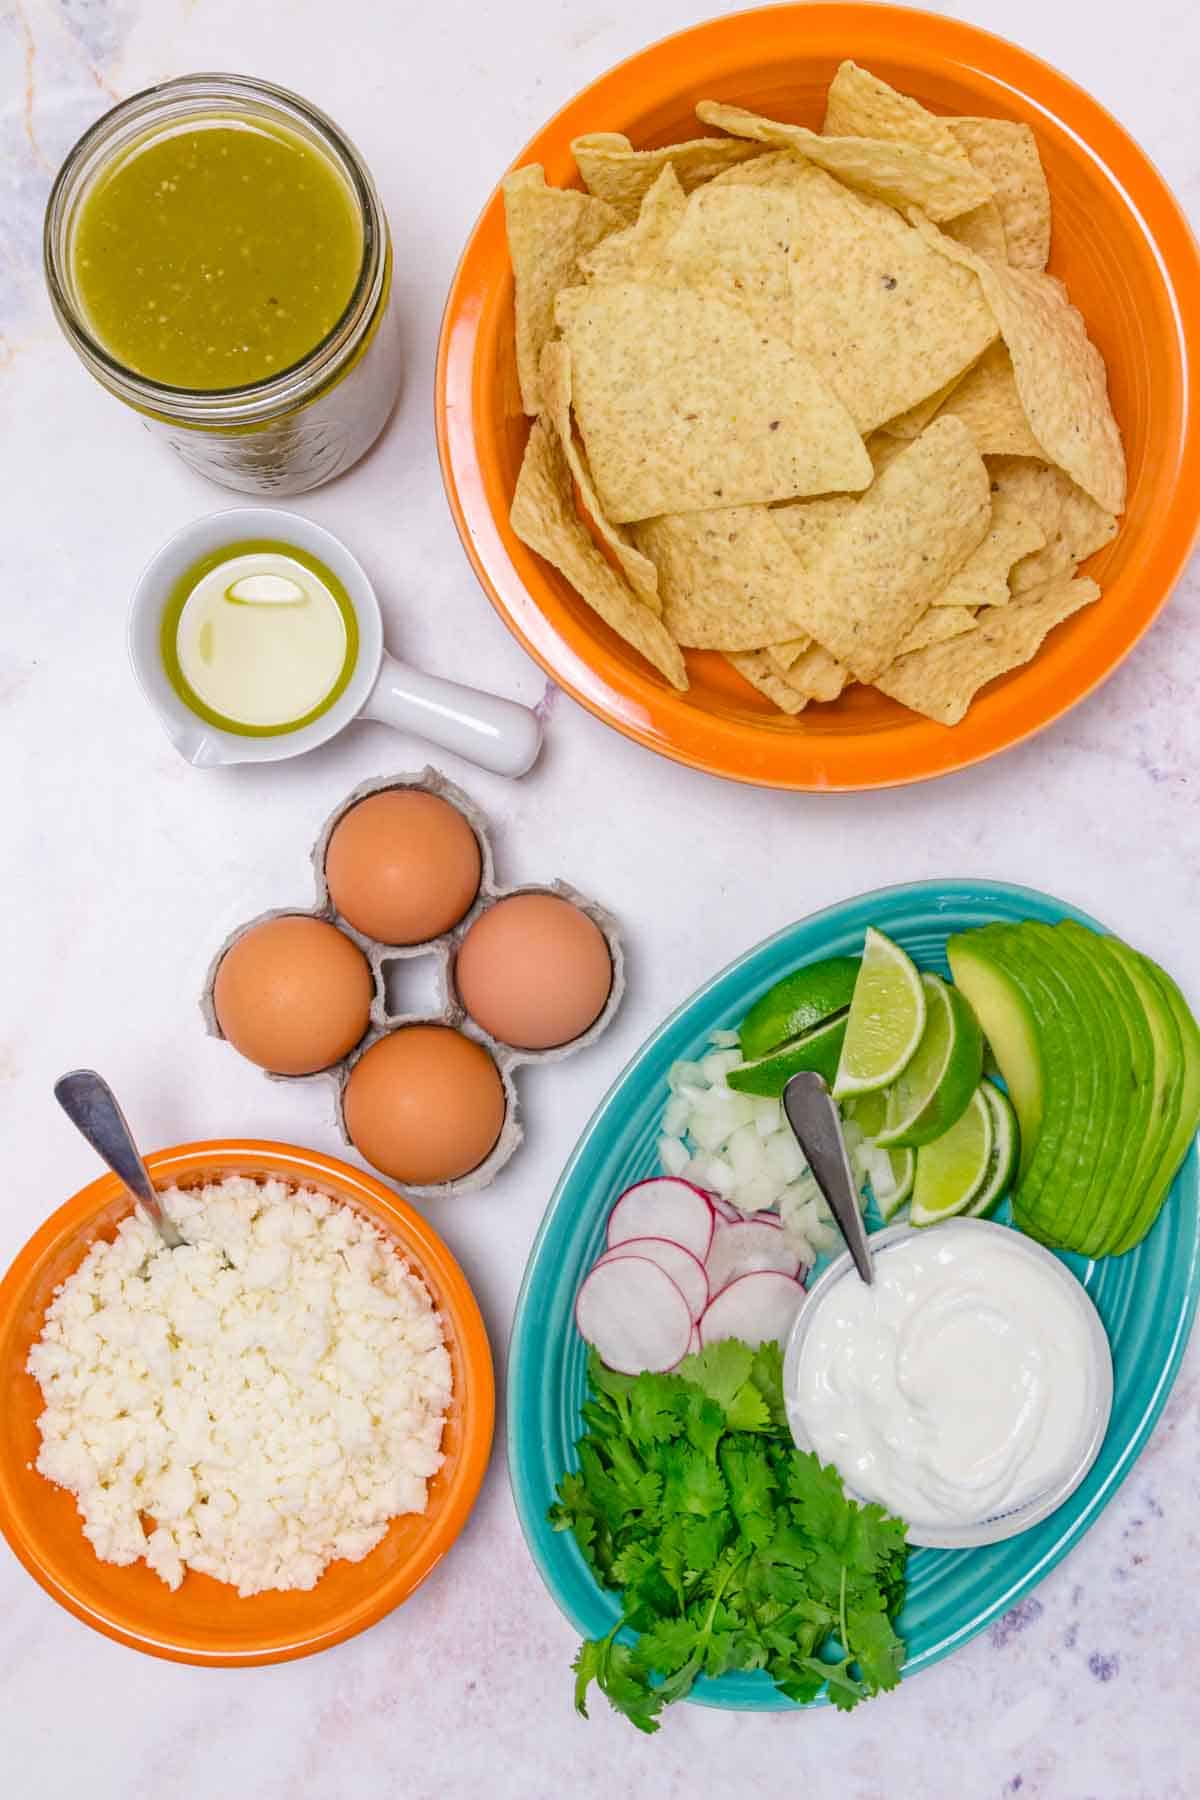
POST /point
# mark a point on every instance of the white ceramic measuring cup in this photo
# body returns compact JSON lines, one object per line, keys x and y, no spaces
{"x":482,"y":728}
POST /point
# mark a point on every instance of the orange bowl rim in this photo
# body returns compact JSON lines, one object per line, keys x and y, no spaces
{"x":633,"y":701}
{"x":430,"y":1255}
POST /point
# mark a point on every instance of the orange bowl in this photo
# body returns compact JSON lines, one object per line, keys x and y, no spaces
{"x":1120,"y":243}
{"x":204,"y":1621}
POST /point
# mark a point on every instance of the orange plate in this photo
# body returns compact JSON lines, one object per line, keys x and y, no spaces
{"x":1120,"y":243}
{"x":204,"y":1621}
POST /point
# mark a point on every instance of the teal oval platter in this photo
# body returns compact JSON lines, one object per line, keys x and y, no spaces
{"x":1146,"y":1299}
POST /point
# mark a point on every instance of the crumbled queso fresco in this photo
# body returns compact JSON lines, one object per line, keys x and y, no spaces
{"x":262,"y":1400}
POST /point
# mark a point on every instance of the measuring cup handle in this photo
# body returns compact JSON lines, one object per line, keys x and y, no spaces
{"x":493,"y":733}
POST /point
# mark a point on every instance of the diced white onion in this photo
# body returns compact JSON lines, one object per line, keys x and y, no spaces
{"x":717,"y":1064}
{"x":723,"y":1040}
{"x":785,"y":1159}
{"x":686,"y":1074}
{"x":676,"y":1114}
{"x":768,"y":1117}
{"x":673,"y":1155}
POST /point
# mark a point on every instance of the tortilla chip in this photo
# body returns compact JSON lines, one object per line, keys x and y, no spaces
{"x":734,"y":242}
{"x":1060,"y":374}
{"x":911,"y":424}
{"x":887,"y":559}
{"x":790,"y":651}
{"x":1073,"y":526}
{"x":806,"y":523}
{"x":548,"y":230}
{"x":614,"y":171}
{"x":983,"y":579}
{"x":893,"y":172}
{"x":938,"y":626}
{"x":981,"y":230}
{"x":887,"y":330}
{"x":860,"y":104}
{"x":727,"y":577}
{"x":814,"y":673}
{"x":639,"y":571}
{"x":633,"y":251}
{"x":1005,"y":153}
{"x":544,"y":517}
{"x":755,"y":667}
{"x":987,"y":402}
{"x":683,"y":405}
{"x":941,"y":682}
{"x":771,"y":169}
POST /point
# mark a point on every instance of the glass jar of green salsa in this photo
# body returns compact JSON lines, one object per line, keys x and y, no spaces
{"x":217,"y":255}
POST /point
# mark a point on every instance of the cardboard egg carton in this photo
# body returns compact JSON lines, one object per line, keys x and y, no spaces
{"x":450,"y":1010}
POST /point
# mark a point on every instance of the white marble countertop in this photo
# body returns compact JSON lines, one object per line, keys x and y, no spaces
{"x":124,"y":868}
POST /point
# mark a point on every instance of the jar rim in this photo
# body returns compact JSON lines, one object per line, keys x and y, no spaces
{"x":255,"y":401}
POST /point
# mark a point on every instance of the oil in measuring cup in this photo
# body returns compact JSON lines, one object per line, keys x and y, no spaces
{"x":259,"y":638}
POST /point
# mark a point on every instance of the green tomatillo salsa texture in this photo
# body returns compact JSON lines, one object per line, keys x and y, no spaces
{"x":216,"y":255}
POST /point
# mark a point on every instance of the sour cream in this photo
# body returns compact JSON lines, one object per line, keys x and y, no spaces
{"x":970,"y":1379}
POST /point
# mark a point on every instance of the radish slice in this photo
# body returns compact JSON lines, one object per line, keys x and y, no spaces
{"x":747,"y":1249}
{"x":663,"y":1207}
{"x":724,"y":1210}
{"x":634,"y":1316}
{"x":684,"y":1269}
{"x":694,"y":1345}
{"x":755,"y":1308}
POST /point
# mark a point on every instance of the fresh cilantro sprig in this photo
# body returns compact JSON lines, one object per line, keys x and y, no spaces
{"x":730,"y":1548}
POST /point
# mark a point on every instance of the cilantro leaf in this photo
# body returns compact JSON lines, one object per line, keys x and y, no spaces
{"x":730,"y":1549}
{"x":693,"y":1484}
{"x":720,"y":1370}
{"x":653,"y":1415}
{"x":767,"y":1375}
{"x":668,"y":1645}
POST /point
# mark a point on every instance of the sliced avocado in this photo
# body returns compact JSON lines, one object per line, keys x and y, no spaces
{"x":1096,"y":1031}
{"x":1115,"y":1191}
{"x":802,"y":1000}
{"x":1003,"y":1010}
{"x":1051,"y":1190}
{"x":1186,"y":1121}
{"x":1168,"y":1062}
{"x":819,"y":1049}
{"x":1034,"y":1049}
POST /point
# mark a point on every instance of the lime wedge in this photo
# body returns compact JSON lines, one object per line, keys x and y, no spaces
{"x":891,"y":1172}
{"x":887,"y":1017}
{"x":951,"y":1171}
{"x":802,"y":1000}
{"x":1005,"y":1145}
{"x":817,"y":1050}
{"x":935,"y":1087}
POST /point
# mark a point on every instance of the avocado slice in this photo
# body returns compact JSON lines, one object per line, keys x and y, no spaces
{"x":1020,"y":1002}
{"x":794,"y":1005}
{"x":1009,"y":1024}
{"x":1125,"y":1097}
{"x":1115,"y":1188}
{"x":1168,"y":1061}
{"x":1184,"y":1124}
{"x":1051,"y":1194}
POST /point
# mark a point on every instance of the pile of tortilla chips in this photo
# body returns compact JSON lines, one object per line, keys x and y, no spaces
{"x":810,"y":400}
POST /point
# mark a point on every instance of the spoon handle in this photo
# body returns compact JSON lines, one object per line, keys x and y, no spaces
{"x":814,"y":1118}
{"x":92,"y":1108}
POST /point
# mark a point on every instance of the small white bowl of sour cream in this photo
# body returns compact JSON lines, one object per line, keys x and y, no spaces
{"x":967,"y":1389}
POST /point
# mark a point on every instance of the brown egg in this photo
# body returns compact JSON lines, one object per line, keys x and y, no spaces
{"x":424,"y":1104}
{"x":534,"y":971}
{"x":403,"y":866}
{"x":293,"y":995}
